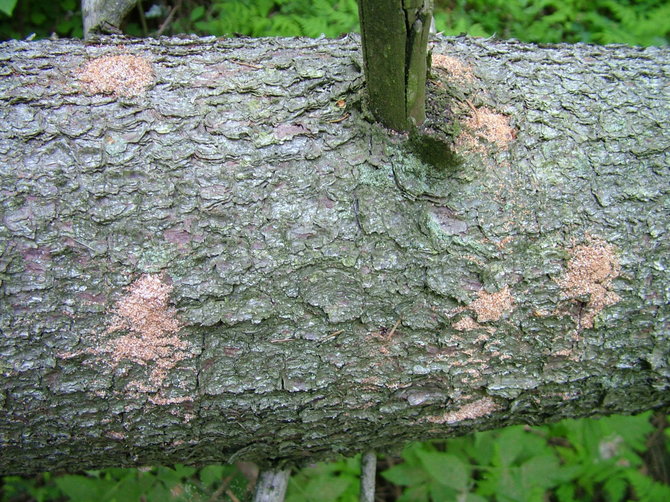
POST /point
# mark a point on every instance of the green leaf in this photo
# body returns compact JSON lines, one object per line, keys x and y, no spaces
{"x":158,"y":492}
{"x":472,"y":497}
{"x":116,"y":473}
{"x":211,"y":474}
{"x":442,"y":492}
{"x":171,"y":476}
{"x":7,"y":6}
{"x":509,"y":445}
{"x":327,"y":489}
{"x":634,"y":430}
{"x":646,"y":489}
{"x":615,"y":488}
{"x":446,"y":469}
{"x":184,"y":471}
{"x":326,"y":481}
{"x":542,"y":472}
{"x":82,"y":487}
{"x":405,"y":475}
{"x":565,"y":493}
{"x":417,"y":493}
{"x":482,"y":448}
{"x":197,"y":13}
{"x":128,"y":489}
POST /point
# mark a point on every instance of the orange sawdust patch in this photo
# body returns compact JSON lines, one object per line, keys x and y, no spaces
{"x":466,"y":323}
{"x":485,"y":126}
{"x":492,"y":306}
{"x":591,"y":270}
{"x":470,"y":411}
{"x":456,"y":69}
{"x":123,"y":75}
{"x":151,"y":325}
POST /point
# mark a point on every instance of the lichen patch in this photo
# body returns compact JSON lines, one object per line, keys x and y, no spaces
{"x":121,"y":75}
{"x":151,"y":325}
{"x":485,"y":127}
{"x":470,"y":411}
{"x":455,"y":68}
{"x":492,"y":306}
{"x":590,"y":272}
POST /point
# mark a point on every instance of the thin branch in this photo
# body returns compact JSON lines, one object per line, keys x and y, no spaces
{"x":143,"y":19}
{"x":368,"y":474}
{"x":168,"y":19}
{"x":271,"y":485}
{"x":224,"y":486}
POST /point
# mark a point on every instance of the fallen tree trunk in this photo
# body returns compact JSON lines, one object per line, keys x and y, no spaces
{"x":208,"y":254}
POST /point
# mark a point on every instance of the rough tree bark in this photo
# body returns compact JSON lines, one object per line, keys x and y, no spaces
{"x":207,"y":253}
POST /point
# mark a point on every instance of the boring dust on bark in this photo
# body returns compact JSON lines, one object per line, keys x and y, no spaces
{"x":149,"y":325}
{"x":149,"y":339}
{"x":470,"y":411}
{"x":487,"y":307}
{"x":591,"y":269}
{"x":122,"y":75}
{"x":454,"y":68}
{"x":586,"y":282}
{"x":484,"y":129}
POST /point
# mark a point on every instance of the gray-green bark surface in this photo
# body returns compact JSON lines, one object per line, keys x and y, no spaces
{"x":234,"y":264}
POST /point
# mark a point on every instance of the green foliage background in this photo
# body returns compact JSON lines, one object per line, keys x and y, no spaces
{"x":635,"y":22}
{"x":570,"y":461}
{"x":574,"y":460}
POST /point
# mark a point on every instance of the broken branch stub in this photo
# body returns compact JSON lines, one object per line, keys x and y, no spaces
{"x":104,"y":15}
{"x":395,"y":40}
